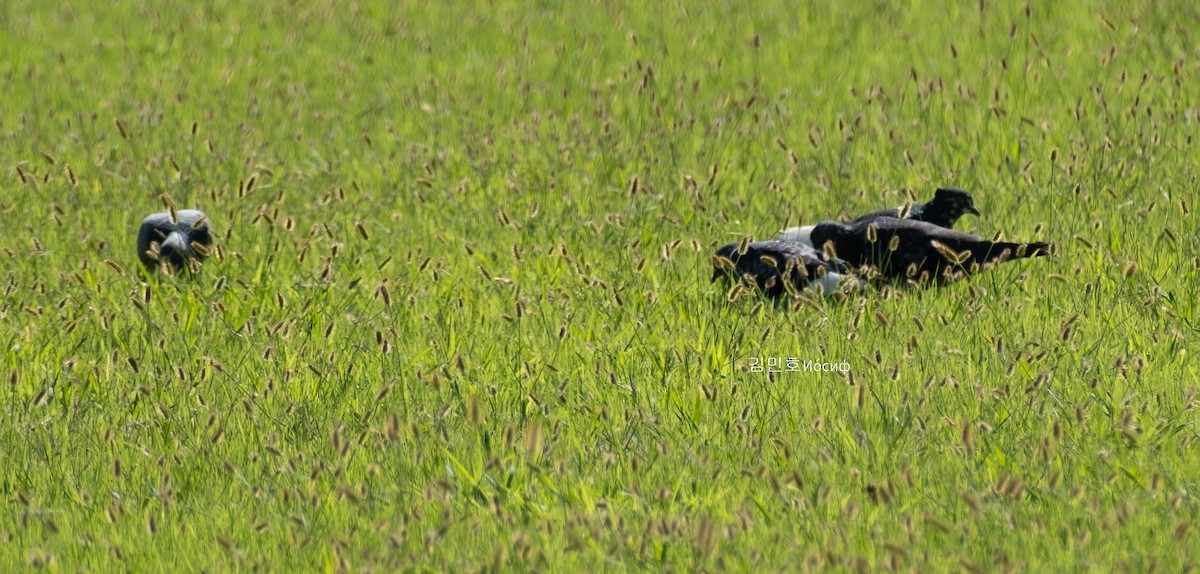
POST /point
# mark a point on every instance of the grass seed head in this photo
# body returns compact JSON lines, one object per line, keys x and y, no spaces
{"x":1130,"y":268}
{"x":744,"y":245}
{"x":474,"y":411}
{"x":829,"y":250}
{"x":533,"y":438}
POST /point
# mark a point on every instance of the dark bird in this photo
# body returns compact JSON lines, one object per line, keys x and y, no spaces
{"x":777,"y":267}
{"x":916,"y":251}
{"x":177,"y":240}
{"x":947,"y":206}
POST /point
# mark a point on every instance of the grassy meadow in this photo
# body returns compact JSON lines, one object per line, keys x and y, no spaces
{"x":462,"y":317}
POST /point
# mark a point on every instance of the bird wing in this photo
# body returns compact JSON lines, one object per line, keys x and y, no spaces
{"x":894,"y":212}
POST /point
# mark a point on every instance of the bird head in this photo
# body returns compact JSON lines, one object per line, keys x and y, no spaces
{"x":178,"y":240}
{"x":954,"y":200}
{"x":723,"y":261}
{"x":175,"y":250}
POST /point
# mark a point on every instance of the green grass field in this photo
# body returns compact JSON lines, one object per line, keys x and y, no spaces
{"x":463,"y":321}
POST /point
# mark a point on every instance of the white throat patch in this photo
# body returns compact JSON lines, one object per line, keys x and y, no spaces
{"x":798,"y":235}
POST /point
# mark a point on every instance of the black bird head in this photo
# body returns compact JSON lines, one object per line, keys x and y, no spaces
{"x":953,"y":202}
{"x":175,"y":239}
{"x":724,"y":262}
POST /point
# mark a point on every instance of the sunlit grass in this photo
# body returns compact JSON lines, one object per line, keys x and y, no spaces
{"x":463,"y":319}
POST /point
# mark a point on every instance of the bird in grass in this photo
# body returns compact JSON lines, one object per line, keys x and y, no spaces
{"x":174,"y":240}
{"x":947,"y":207}
{"x":914,"y":251}
{"x":778,"y":267}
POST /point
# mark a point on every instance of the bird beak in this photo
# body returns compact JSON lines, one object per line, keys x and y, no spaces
{"x":175,"y":249}
{"x":972,"y":209}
